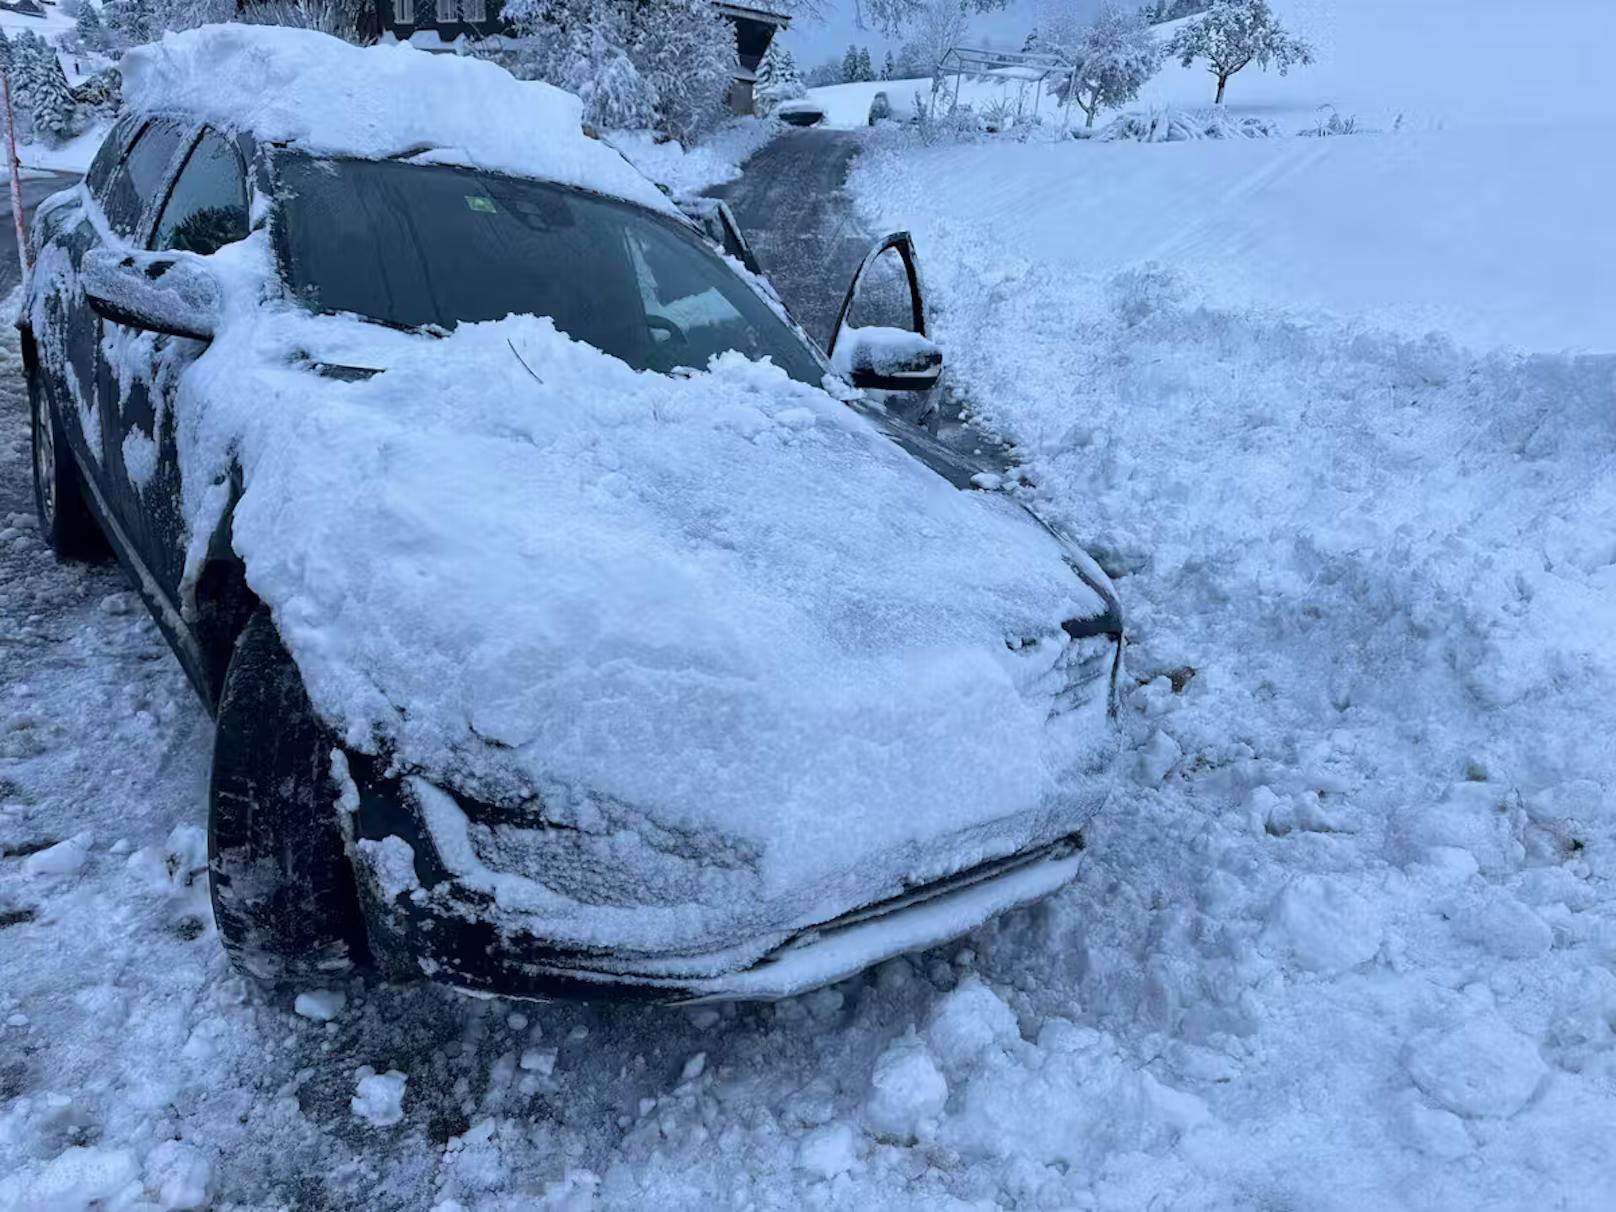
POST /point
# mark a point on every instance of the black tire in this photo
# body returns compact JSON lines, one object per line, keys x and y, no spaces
{"x":65,"y":519}
{"x":283,"y":887}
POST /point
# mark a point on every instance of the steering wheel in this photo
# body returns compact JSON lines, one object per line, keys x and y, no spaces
{"x":658,"y":323}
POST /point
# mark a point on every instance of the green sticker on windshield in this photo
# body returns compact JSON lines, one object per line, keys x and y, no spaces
{"x":479,"y":203}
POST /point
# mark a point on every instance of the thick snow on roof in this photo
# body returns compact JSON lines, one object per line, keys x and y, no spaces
{"x":325,"y":95}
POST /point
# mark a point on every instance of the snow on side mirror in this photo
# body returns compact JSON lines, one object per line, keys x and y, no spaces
{"x":887,"y":359}
{"x":166,"y":292}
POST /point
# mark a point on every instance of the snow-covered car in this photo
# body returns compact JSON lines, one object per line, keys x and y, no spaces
{"x":570,"y":626}
{"x":801,"y":112}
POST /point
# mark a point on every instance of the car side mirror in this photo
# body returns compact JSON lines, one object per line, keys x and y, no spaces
{"x":168,"y":292}
{"x":887,"y":359}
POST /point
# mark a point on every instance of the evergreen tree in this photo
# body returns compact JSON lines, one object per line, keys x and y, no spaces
{"x":56,"y":115}
{"x":777,"y":79}
{"x":88,"y":29}
{"x":5,"y":51}
{"x":850,"y":65}
{"x":129,"y":22}
{"x":889,"y":69}
{"x":1235,"y":34}
{"x":866,"y":68}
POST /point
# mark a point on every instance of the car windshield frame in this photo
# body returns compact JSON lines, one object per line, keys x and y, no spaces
{"x":760,"y":312}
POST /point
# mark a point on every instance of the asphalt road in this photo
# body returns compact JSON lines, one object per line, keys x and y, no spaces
{"x":35,"y":189}
{"x":790,"y":202}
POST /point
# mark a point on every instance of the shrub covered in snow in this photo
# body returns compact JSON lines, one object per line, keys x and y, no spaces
{"x":1170,"y":126}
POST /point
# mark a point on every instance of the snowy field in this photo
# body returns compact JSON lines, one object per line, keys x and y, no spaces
{"x":1322,"y":402}
{"x":1348,"y":940}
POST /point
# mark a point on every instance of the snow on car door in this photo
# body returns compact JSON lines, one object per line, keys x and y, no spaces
{"x":204,"y":209}
{"x":124,"y":354}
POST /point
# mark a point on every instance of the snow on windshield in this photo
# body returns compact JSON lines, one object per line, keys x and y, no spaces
{"x":323,"y":95}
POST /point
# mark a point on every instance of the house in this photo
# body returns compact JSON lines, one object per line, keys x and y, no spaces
{"x":755,"y":28}
{"x":446,"y":25}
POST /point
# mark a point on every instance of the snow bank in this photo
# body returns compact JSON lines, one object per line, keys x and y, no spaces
{"x":689,"y":171}
{"x":327,"y":96}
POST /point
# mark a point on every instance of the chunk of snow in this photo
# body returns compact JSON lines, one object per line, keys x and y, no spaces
{"x":181,"y":1176}
{"x":61,"y":859}
{"x":391,"y":863}
{"x":1323,"y":925}
{"x":907,"y":1092}
{"x":1483,"y":1068}
{"x":828,"y":1151}
{"x":539,"y":1060}
{"x":967,"y":1023}
{"x":378,"y":1097}
{"x":321,"y":1005}
{"x":83,"y":1176}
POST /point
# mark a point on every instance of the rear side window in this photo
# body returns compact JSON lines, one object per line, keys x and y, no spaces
{"x":145,"y":168}
{"x":208,"y":206}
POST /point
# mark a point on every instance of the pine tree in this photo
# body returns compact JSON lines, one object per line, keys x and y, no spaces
{"x":56,"y":114}
{"x":777,"y":79}
{"x":865,"y":66}
{"x":1235,"y":34}
{"x":5,"y":52}
{"x":129,"y":22}
{"x":850,"y":65}
{"x":889,"y":69}
{"x":91,"y":34}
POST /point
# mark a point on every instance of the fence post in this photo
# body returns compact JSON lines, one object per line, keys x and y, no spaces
{"x":24,"y":258}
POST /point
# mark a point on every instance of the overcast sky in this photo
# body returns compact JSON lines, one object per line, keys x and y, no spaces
{"x":811,"y":41}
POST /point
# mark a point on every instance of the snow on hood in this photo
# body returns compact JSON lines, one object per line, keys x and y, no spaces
{"x":327,"y":96}
{"x":724,"y":608}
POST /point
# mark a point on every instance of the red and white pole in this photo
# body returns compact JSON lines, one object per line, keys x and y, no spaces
{"x":24,"y":258}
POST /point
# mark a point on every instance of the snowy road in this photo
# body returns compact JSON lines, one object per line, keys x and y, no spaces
{"x":799,"y":221}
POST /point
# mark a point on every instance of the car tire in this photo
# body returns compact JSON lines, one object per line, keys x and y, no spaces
{"x":65,"y":519}
{"x":284,"y":896}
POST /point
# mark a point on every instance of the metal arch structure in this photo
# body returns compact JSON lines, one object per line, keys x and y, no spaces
{"x":1026,"y":67}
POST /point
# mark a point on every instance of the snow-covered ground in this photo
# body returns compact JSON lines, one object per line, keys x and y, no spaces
{"x":1348,"y":939}
{"x":717,"y":158}
{"x":1310,"y":398}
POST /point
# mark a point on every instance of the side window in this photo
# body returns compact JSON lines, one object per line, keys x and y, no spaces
{"x":208,"y":206}
{"x":106,"y":160}
{"x":133,"y":187}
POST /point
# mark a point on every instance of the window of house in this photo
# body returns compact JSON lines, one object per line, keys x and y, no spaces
{"x":475,"y":12}
{"x":446,"y":12}
{"x":208,"y":206}
{"x":403,"y":12}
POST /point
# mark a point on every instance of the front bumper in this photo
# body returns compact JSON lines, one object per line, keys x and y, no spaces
{"x":453,"y":939}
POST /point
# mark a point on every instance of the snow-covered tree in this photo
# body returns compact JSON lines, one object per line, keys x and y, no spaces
{"x":889,"y":69}
{"x":777,"y":79}
{"x":941,"y":24}
{"x":892,"y":17}
{"x":89,"y":34}
{"x":1234,"y":34}
{"x":130,"y":22}
{"x":1113,"y":56}
{"x":661,"y":63}
{"x":40,"y":88}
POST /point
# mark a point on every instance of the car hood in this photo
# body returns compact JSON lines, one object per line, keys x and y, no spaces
{"x":511,"y":565}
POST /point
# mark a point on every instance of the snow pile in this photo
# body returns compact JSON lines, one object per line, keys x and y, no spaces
{"x":515,"y":565}
{"x":326,"y":96}
{"x":1340,"y":936}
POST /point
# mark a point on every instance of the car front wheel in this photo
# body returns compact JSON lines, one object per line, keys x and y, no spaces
{"x":64,"y":517}
{"x":283,"y":888}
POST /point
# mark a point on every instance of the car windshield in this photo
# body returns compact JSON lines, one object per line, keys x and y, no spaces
{"x":416,"y":245}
